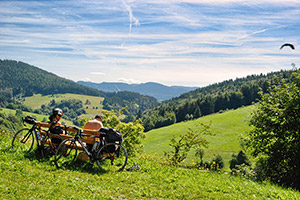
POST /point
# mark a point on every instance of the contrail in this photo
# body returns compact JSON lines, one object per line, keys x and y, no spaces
{"x":132,"y":19}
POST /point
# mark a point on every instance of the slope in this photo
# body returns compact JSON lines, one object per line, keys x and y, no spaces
{"x":26,"y":79}
{"x":24,"y":177}
{"x":227,"y":127}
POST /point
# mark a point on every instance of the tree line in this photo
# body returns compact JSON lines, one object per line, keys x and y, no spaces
{"x":230,"y":94}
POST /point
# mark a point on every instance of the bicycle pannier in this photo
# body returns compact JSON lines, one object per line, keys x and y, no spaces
{"x":112,"y":135}
{"x":30,"y":119}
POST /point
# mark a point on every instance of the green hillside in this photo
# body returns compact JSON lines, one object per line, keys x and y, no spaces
{"x":227,"y":127}
{"x":39,"y":117}
{"x":24,"y":177}
{"x":19,"y":79}
{"x":92,"y":108}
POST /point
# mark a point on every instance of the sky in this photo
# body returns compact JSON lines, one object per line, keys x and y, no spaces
{"x":172,"y":42}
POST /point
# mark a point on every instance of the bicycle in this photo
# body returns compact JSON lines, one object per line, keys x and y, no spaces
{"x":26,"y":137}
{"x":108,"y":156}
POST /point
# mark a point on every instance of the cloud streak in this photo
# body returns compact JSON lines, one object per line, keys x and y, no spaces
{"x":153,"y":40}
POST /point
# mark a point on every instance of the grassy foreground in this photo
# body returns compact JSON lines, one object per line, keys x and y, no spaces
{"x":22,"y":176}
{"x":227,"y":127}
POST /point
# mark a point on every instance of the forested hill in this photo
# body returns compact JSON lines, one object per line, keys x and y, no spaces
{"x":22,"y":78}
{"x":229,"y":94}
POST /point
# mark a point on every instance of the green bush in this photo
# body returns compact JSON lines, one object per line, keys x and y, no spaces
{"x":239,"y":159}
{"x":192,"y":139}
{"x":275,"y":135}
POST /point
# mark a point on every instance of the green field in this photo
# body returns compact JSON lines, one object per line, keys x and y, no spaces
{"x":92,"y":109}
{"x":38,"y":116}
{"x":22,"y":176}
{"x":227,"y":127}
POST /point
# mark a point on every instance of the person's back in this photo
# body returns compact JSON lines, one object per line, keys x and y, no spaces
{"x":94,"y":124}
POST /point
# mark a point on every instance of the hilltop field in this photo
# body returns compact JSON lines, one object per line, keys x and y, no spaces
{"x":92,"y":108}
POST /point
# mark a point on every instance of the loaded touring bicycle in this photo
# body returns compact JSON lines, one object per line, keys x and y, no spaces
{"x":103,"y":147}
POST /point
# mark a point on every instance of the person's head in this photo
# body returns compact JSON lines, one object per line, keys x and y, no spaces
{"x":99,"y":117}
{"x":57,"y":113}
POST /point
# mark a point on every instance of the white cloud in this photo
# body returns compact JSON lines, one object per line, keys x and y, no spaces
{"x":97,"y":73}
{"x":166,"y":41}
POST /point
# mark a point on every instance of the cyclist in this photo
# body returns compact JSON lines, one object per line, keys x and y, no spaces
{"x":55,"y":125}
{"x":94,"y":124}
{"x":57,"y":113}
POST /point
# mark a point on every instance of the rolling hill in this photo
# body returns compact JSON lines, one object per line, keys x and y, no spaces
{"x":227,"y":127}
{"x":159,"y":91}
{"x":19,"y":79}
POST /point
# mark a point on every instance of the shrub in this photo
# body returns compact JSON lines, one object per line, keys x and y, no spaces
{"x":181,"y":145}
{"x":239,"y":159}
{"x":275,"y":135}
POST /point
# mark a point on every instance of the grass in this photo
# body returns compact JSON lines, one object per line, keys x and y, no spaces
{"x":227,"y":127}
{"x":92,"y":109}
{"x":22,"y":176}
{"x":39,"y":117}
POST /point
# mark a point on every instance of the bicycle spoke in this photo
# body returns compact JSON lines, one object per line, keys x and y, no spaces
{"x":112,"y":157}
{"x":23,"y":139}
{"x":66,"y":153}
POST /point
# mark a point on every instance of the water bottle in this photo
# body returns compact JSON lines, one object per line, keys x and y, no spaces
{"x":39,"y":135}
{"x":95,"y":146}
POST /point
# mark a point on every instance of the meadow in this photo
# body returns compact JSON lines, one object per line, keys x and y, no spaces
{"x":228,"y":128}
{"x":22,"y":176}
{"x":39,"y":117}
{"x":91,"y":109}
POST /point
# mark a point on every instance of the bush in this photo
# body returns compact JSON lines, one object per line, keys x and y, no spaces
{"x":181,"y":145}
{"x":216,"y":164}
{"x":132,"y":132}
{"x":239,"y":159}
{"x":275,"y":135}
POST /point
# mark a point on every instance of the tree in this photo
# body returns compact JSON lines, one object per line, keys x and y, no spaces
{"x":132,"y":132}
{"x":192,"y":139}
{"x":275,"y":136}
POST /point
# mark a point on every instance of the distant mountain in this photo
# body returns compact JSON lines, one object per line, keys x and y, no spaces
{"x":159,"y":91}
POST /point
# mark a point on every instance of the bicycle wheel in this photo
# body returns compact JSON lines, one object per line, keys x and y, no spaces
{"x":23,"y":139}
{"x":49,"y":144}
{"x":111,"y":157}
{"x":66,"y":153}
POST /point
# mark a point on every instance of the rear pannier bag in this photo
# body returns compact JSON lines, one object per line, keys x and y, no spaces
{"x":112,"y":135}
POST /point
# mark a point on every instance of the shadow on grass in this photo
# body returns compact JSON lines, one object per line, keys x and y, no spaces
{"x":77,"y":165}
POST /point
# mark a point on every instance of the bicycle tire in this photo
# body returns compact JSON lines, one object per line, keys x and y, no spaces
{"x":66,"y":153}
{"x":48,"y":145}
{"x":23,"y":139}
{"x":112,"y":157}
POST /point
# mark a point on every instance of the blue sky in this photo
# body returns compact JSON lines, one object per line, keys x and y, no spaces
{"x":173,"y":42}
